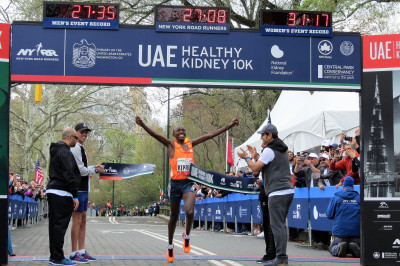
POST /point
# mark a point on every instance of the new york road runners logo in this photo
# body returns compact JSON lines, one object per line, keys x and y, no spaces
{"x":84,"y":54}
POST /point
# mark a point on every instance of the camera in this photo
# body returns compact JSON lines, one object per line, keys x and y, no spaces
{"x":337,"y":151}
{"x":302,"y":158}
{"x":348,"y":138}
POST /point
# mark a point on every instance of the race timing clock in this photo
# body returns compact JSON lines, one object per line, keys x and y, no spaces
{"x":192,"y":19}
{"x":296,"y":23}
{"x":80,"y":15}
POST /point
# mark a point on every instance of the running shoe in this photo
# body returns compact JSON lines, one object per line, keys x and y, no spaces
{"x":88,"y":257}
{"x":170,"y":255}
{"x":78,"y":258}
{"x":186,"y":244}
{"x":64,"y":261}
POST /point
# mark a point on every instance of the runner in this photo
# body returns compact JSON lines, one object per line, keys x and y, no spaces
{"x":180,"y":157}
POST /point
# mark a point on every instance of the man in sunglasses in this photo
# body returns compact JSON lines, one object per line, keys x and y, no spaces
{"x":62,"y":193}
{"x":328,"y":177}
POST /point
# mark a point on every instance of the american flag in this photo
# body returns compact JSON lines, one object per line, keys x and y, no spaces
{"x":38,"y":173}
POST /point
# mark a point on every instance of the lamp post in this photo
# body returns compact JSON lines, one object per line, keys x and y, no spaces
{"x":166,"y":169}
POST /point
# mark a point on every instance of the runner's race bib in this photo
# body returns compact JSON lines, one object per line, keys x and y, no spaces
{"x":184,"y":166}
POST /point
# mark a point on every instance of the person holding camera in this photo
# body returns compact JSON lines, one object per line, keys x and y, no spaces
{"x":355,"y":141}
{"x":327,"y":177}
{"x":308,"y":168}
{"x":346,"y":164}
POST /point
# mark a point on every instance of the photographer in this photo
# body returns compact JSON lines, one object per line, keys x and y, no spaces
{"x":328,"y":177}
{"x":346,"y":164}
{"x":355,"y":141}
{"x":308,"y":168}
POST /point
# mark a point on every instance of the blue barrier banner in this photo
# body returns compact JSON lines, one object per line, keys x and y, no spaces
{"x":196,"y":211}
{"x":319,"y":200}
{"x":256,"y":209}
{"x":219,"y":209}
{"x":298,"y":214}
{"x":15,"y":206}
{"x":202,"y":209}
{"x":10,"y":207}
{"x":181,"y":211}
{"x":230,"y":208}
{"x":209,"y":211}
{"x":243,"y":208}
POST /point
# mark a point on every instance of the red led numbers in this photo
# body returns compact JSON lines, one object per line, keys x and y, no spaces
{"x":91,"y":12}
{"x":292,"y":19}
{"x":76,"y":11}
{"x":204,"y":15}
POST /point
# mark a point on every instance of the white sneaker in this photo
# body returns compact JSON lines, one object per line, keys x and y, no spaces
{"x":261,"y":235}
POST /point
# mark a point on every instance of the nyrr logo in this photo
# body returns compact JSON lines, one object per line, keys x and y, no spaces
{"x":38,"y":52}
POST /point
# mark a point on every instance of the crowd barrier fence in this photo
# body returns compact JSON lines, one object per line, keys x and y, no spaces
{"x":26,"y":209}
{"x":307,"y":211}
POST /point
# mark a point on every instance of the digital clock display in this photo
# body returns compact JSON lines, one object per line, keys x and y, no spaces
{"x":81,"y":11}
{"x":210,"y":15}
{"x":296,"y":18}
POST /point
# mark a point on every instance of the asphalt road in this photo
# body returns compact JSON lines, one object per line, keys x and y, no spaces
{"x":143,"y":241}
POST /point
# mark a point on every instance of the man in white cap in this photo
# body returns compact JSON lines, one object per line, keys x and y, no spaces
{"x":327,"y":177}
{"x":273,"y":163}
{"x":310,"y":171}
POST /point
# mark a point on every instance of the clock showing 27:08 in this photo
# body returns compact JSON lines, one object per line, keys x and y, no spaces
{"x":192,"y":14}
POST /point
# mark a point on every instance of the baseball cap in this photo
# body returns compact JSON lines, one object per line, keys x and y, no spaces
{"x":82,"y":126}
{"x":269,"y":128}
{"x":325,"y":156}
{"x":326,"y":143}
{"x":313,"y":155}
{"x":334,"y":145}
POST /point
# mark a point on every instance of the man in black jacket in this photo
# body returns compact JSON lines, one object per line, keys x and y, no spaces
{"x":62,"y":191}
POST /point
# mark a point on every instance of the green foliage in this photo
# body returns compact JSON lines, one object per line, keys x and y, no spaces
{"x":120,"y":146}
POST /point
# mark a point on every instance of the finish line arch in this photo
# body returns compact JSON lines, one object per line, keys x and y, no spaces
{"x":141,"y":56}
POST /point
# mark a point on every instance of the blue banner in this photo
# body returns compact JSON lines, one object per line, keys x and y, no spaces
{"x":181,"y":211}
{"x":219,"y":209}
{"x":256,"y":209}
{"x":242,"y":208}
{"x":142,"y":56}
{"x":298,"y":214}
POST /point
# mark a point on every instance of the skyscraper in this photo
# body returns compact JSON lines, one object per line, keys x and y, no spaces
{"x":379,"y":179}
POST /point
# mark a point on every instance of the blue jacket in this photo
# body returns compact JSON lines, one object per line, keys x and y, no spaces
{"x":344,"y":209}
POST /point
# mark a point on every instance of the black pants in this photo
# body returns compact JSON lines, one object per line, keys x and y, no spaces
{"x":268,"y":235}
{"x":60,"y":212}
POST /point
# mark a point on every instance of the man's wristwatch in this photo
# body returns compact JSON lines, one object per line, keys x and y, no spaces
{"x":95,"y":169}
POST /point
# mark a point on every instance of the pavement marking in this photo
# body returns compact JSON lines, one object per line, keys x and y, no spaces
{"x":112,"y":220}
{"x":194,"y":249}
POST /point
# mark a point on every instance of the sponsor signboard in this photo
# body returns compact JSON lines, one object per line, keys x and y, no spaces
{"x":142,"y":56}
{"x":381,"y":142}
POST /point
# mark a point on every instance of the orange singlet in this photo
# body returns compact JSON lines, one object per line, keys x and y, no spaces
{"x":180,"y":163}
